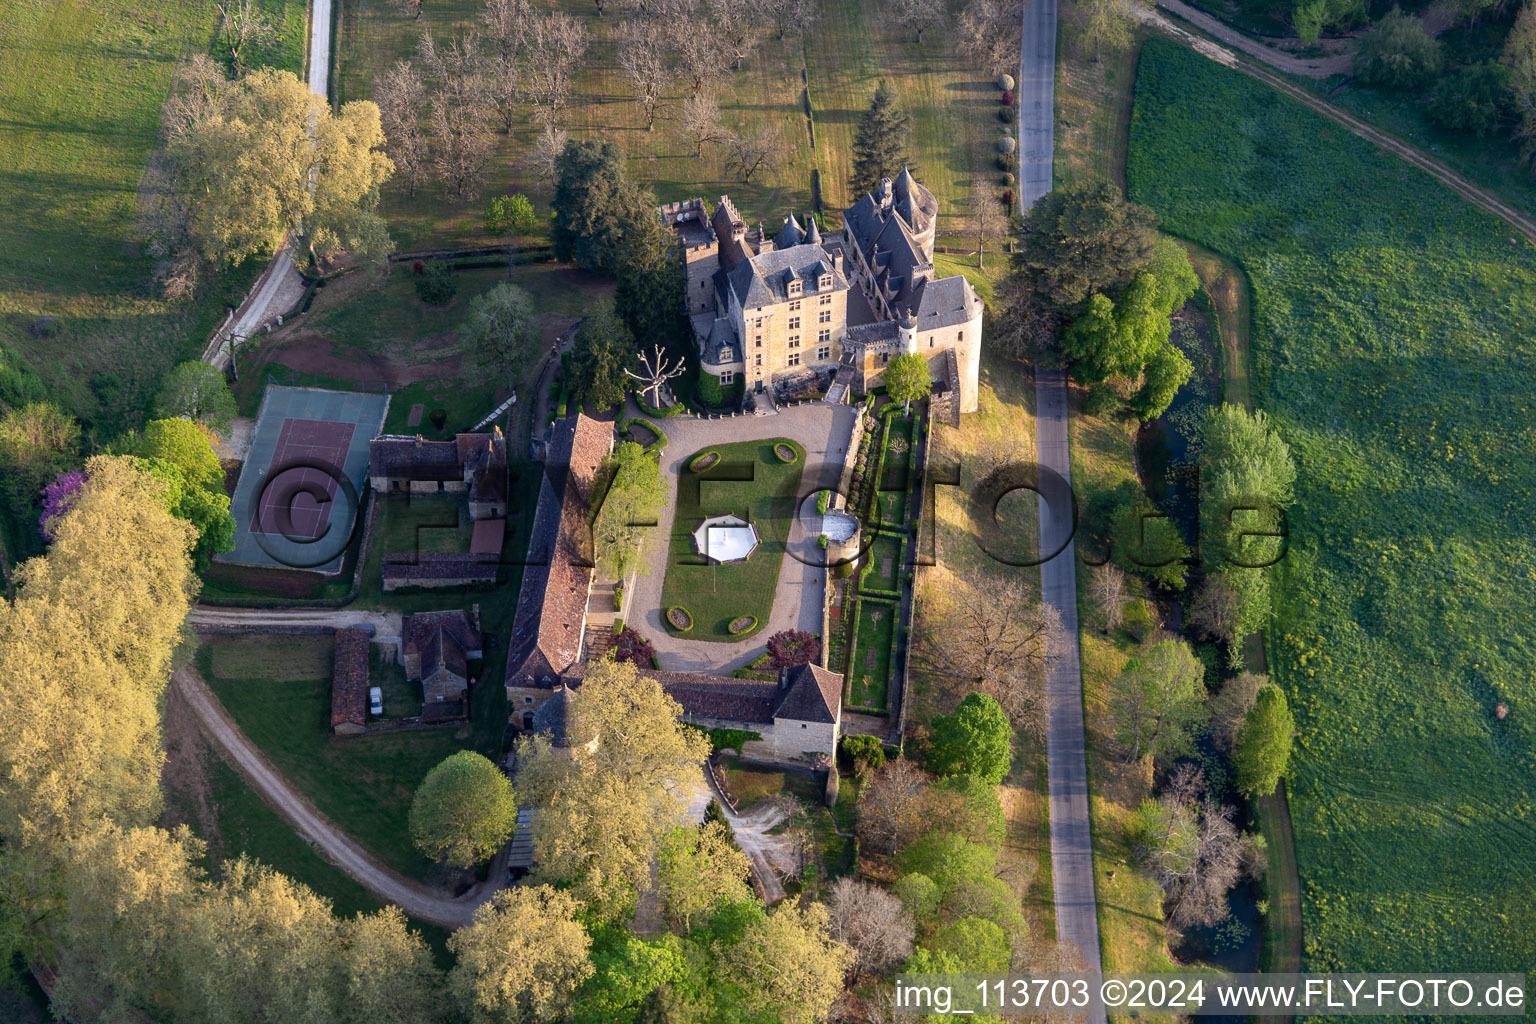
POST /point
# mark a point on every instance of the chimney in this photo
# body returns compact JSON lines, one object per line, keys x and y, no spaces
{"x":765,"y":243}
{"x":419,"y":439}
{"x":837,"y":261}
{"x":885,"y":193}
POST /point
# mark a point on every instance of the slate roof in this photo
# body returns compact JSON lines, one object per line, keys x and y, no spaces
{"x":809,"y":693}
{"x":349,"y":680}
{"x":552,"y":604}
{"x":446,"y":637}
{"x":485,"y":455}
{"x":872,"y":334}
{"x":790,"y":235}
{"x":706,"y":696}
{"x":761,"y":280}
{"x":720,"y":347}
{"x":414,"y":458}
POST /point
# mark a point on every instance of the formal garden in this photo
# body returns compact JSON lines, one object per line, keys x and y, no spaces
{"x":755,"y":480}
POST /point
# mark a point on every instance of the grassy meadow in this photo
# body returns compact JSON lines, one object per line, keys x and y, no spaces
{"x":953,"y":114}
{"x":80,"y":102}
{"x":1391,"y":342}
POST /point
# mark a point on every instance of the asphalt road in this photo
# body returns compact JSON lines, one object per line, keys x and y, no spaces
{"x":1077,"y":919}
{"x":1037,"y":101}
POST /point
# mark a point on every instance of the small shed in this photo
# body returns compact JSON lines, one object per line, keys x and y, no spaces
{"x":727,"y":538}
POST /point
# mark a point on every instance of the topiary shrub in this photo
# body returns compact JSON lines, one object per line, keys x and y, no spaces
{"x":1005,"y":82}
{"x":786,"y":454}
{"x":704,"y":461}
{"x":439,"y":418}
{"x":1007,"y":97}
{"x":1008,"y":178}
{"x":741,"y":624}
{"x":435,"y":284}
{"x":679,"y":619}
{"x":1006,"y":144}
{"x":1003,"y":163}
{"x":1005,"y":115}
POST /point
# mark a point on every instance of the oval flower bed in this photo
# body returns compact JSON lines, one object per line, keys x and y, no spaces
{"x":703,"y":461}
{"x":742,"y":624}
{"x":785,"y":453}
{"x":679,"y":619}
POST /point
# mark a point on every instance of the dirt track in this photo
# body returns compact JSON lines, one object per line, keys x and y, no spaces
{"x":333,"y":844}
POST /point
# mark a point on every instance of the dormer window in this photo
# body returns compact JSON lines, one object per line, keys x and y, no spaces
{"x":794,"y":287}
{"x":825,"y":282}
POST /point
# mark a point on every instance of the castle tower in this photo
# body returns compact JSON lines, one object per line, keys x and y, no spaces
{"x":908,"y":332}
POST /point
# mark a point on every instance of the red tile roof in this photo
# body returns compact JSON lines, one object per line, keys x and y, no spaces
{"x":349,"y":682}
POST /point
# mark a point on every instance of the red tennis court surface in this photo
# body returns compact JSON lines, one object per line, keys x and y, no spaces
{"x":296,"y":497}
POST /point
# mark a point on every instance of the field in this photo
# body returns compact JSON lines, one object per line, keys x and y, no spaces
{"x":79,"y":111}
{"x":365,"y":783}
{"x":953,"y":114}
{"x":749,"y":481}
{"x":1391,"y":343}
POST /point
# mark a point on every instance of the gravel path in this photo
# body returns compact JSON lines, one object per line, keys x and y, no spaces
{"x":826,"y":432}
{"x":386,"y":625}
{"x":771,"y":856}
{"x":418,"y":901}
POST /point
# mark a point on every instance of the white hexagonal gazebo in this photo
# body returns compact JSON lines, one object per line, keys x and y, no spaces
{"x":726,"y":538}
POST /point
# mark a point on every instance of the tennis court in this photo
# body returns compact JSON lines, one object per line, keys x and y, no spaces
{"x":296,"y":503}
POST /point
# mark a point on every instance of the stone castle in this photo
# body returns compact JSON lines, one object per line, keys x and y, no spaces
{"x":805,"y":311}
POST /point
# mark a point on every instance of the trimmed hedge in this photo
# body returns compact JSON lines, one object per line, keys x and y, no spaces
{"x":741,"y":624}
{"x":661,"y":435}
{"x":671,"y":410}
{"x":731,"y":739}
{"x":786,"y":454}
{"x":704,"y":461}
{"x":678,"y":618}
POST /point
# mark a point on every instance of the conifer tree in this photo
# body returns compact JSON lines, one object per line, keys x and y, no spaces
{"x":880,"y":145}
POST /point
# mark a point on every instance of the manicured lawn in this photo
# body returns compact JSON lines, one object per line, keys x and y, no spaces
{"x":425,"y":523}
{"x":870,"y":674}
{"x":80,"y":103}
{"x":363,"y":783}
{"x":281,"y":658}
{"x":750,"y":481}
{"x":953,"y":111}
{"x":1392,"y":344}
{"x":885,"y":557}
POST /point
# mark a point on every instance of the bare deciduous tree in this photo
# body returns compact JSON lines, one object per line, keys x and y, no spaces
{"x":1230,"y":706}
{"x":698,"y":123}
{"x":556,"y":43}
{"x":506,"y":26}
{"x":754,"y":150}
{"x":402,"y":98}
{"x":643,"y":58}
{"x":1197,"y":855}
{"x":795,"y":17}
{"x":699,"y":58}
{"x":544,"y":159}
{"x":506,"y":31}
{"x":891,"y":809}
{"x":1107,"y":585}
{"x":989,"y":218}
{"x":241,"y":23}
{"x":872,"y":921}
{"x":1026,"y":326}
{"x":1215,"y":609}
{"x":736,"y":28}
{"x":461,"y":141}
{"x":918,"y":15}
{"x":410,"y":7}
{"x":980,"y":631}
{"x":987,"y":33}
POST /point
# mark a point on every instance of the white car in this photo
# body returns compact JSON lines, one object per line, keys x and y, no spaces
{"x":375,"y":701}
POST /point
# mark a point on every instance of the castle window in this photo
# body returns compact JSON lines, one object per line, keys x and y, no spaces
{"x":794,"y":307}
{"x":885,"y":357}
{"x":959,"y":337}
{"x":794,"y":323}
{"x":794,"y":287}
{"x":930,"y":341}
{"x":727,"y":377}
{"x":759,"y":361}
{"x":794,"y":341}
{"x":823,"y":353}
{"x":825,"y":300}
{"x":825,"y":334}
{"x":825,"y":282}
{"x":824,"y":317}
{"x":794,"y":359}
{"x":759,"y":343}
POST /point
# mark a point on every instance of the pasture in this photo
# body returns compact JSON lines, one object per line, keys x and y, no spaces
{"x":953,"y":112}
{"x":1391,"y":333}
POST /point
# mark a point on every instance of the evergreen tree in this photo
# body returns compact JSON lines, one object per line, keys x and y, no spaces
{"x":604,"y":349}
{"x":1264,"y":744}
{"x":880,"y":145}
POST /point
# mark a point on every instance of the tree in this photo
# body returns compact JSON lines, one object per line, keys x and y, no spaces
{"x":975,"y":739}
{"x":613,"y":796}
{"x":698,"y":123}
{"x":1195,"y":854}
{"x":918,"y":15}
{"x":975,"y":943}
{"x":1159,"y":701}
{"x":197,"y":391}
{"x":463,"y":810}
{"x":1520,"y":57}
{"x":753,"y":150}
{"x":1027,"y":325}
{"x":1397,"y":53}
{"x":58,"y":498}
{"x":879,"y":142}
{"x":987,"y":34}
{"x":1264,"y":745}
{"x":1107,"y":584}
{"x":1109,"y":23}
{"x":264,"y":160}
{"x":1475,"y":99}
{"x":1148,"y":543}
{"x":635,"y":495}
{"x":522,"y":958}
{"x":701,"y":62}
{"x":735,"y":29}
{"x":411,"y":7}
{"x":907,"y":380}
{"x":500,"y":333}
{"x":597,"y":211}
{"x":628,"y":971}
{"x":699,"y":869}
{"x":1230,"y":706}
{"x":969,"y":808}
{"x":551,"y":141}
{"x":791,"y":647}
{"x":792,"y":16}
{"x":865,"y":752}
{"x":241,"y":23}
{"x":402,"y":98}
{"x":646,"y":64}
{"x":1084,"y":238}
{"x":511,"y":215}
{"x":1215,"y":610}
{"x":1164,"y":373}
{"x":652,"y":282}
{"x":891,"y":807}
{"x":558,"y":42}
{"x":788,"y":963}
{"x":656,"y":371}
{"x":604,"y":349}
{"x":1129,"y":336}
{"x":37,"y":442}
{"x":989,"y":217}
{"x":185,"y":444}
{"x":871,"y":922}
{"x":458,"y":104}
{"x":505,"y":23}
